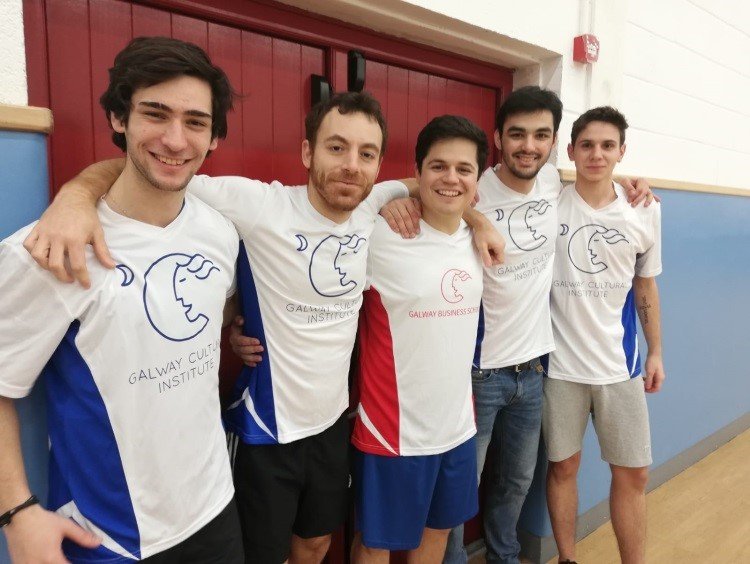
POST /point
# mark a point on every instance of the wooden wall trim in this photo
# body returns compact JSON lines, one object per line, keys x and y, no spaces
{"x":25,"y":118}
{"x":567,"y":175}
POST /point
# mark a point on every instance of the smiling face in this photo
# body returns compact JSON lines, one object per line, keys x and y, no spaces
{"x":168,"y":131}
{"x":526,"y":143}
{"x":344,"y":163}
{"x":597,"y":151}
{"x":449,"y":175}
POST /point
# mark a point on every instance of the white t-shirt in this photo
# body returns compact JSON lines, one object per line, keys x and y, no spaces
{"x":300,"y":278}
{"x":137,"y":449}
{"x":515,"y":323}
{"x":593,"y":306}
{"x":416,"y":342}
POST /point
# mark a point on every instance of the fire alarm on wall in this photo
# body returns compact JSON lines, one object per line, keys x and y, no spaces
{"x":585,"y":48}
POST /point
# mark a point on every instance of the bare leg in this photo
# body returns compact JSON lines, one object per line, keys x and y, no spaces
{"x":309,"y":551}
{"x":431,"y":549}
{"x":627,"y":504}
{"x":364,"y":555}
{"x":562,"y":502}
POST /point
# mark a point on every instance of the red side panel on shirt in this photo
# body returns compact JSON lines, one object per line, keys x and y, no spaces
{"x":377,"y":384}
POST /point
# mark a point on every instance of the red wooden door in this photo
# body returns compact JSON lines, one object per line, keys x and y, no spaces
{"x":268,"y":52}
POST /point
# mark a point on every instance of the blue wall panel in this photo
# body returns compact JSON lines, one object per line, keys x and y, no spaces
{"x":705,"y":306}
{"x":24,"y":193}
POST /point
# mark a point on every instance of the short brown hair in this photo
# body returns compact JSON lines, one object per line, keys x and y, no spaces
{"x":347,"y":103}
{"x":607,"y":114}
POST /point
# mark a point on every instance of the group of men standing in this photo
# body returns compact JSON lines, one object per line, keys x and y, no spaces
{"x":138,"y":457}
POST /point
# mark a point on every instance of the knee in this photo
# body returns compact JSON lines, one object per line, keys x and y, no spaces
{"x":317,"y":547}
{"x":565,"y":470}
{"x":632,"y":478}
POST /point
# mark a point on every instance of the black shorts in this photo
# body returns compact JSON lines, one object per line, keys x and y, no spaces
{"x":218,"y":542}
{"x":300,"y":487}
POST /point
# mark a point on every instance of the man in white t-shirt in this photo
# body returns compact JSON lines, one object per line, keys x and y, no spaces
{"x":415,"y":423}
{"x":138,"y":463}
{"x":519,"y":196}
{"x":608,"y":255}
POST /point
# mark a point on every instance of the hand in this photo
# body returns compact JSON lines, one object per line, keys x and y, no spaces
{"x":654,"y":374}
{"x":402,"y":215}
{"x":58,"y":242}
{"x":247,"y":348}
{"x":639,"y":192}
{"x":491,"y":246}
{"x":35,"y":536}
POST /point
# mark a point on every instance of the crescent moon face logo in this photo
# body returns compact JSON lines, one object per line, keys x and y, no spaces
{"x":524,"y":224}
{"x":564,"y":229}
{"x":127,"y":274}
{"x":588,"y":243}
{"x":500,"y":214}
{"x":450,"y":285}
{"x":338,"y":265}
{"x":172,"y":285}
{"x":302,"y":242}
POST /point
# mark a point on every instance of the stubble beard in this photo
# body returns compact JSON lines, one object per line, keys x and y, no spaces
{"x":508,"y":162}
{"x":335,"y":201}
{"x":149,"y":178}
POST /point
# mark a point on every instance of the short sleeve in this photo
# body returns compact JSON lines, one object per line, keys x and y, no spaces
{"x":241,"y":200}
{"x":384,"y":192}
{"x":648,"y":263}
{"x":35,"y":313}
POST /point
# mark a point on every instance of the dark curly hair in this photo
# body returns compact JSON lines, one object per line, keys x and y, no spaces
{"x":147,"y":61}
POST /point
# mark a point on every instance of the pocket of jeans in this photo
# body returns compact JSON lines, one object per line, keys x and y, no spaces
{"x":479,"y":376}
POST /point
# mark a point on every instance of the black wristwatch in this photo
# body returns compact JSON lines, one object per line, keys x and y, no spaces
{"x":6,"y":517}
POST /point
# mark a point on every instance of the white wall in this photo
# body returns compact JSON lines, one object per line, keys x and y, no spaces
{"x":685,"y":90}
{"x":13,"y":59}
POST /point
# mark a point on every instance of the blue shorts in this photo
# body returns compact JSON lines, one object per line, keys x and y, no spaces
{"x":398,"y":496}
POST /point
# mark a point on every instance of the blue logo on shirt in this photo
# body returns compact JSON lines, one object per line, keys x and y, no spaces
{"x":171,"y":286}
{"x":523,"y":223}
{"x":587,"y":244}
{"x":330,"y":263}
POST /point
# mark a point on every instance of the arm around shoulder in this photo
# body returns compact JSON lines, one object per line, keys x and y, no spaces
{"x":71,"y":223}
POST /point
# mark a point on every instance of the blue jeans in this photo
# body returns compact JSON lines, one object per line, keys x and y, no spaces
{"x":509,"y":412}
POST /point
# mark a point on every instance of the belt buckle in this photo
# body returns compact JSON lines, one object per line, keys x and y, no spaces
{"x":518,"y":368}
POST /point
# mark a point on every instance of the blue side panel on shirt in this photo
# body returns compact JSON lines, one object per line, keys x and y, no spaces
{"x":258,"y":380}
{"x":85,"y":463}
{"x":480,"y":338}
{"x":630,"y":336}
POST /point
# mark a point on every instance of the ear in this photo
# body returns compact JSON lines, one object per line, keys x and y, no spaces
{"x":417,"y":174}
{"x":117,"y":124}
{"x":570,"y":151}
{"x":498,"y":144}
{"x":214,"y":144}
{"x":622,"y":152}
{"x":307,"y":154}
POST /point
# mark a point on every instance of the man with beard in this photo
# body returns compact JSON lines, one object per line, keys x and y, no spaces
{"x":301,"y":272}
{"x":519,"y":196}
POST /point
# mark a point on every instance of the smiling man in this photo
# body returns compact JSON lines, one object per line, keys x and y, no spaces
{"x":415,"y":466}
{"x":138,"y":462}
{"x":607,"y":259}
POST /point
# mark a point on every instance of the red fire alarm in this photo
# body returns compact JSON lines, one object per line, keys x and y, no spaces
{"x":585,"y":48}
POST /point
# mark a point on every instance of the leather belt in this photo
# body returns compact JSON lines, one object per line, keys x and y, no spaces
{"x":518,"y":368}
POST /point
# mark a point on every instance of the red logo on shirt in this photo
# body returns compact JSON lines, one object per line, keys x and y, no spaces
{"x":451,"y":283}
